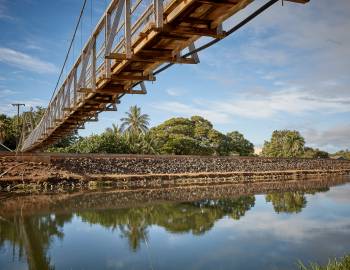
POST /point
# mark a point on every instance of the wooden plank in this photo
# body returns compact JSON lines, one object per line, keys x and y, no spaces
{"x":219,"y":2}
{"x":194,"y":31}
{"x":130,"y":77}
{"x":152,"y":57}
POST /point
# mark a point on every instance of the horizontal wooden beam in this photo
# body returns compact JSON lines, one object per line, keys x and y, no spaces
{"x":121,"y":77}
{"x":194,"y":31}
{"x":148,"y":57}
{"x":218,"y":2}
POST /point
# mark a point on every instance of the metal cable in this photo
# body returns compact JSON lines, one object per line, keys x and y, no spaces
{"x":229,"y":32}
{"x":216,"y":40}
{"x":69,"y":49}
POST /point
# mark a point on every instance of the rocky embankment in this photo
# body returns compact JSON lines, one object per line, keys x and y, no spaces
{"x":67,"y":172}
{"x":181,"y":165}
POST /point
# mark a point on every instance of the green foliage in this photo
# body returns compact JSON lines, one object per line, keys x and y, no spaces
{"x":314,"y":153}
{"x":239,"y":144}
{"x":107,"y":142}
{"x":8,"y":131}
{"x":179,"y":136}
{"x":10,"y":127}
{"x":341,"y":264}
{"x":343,"y":153}
{"x":196,"y":136}
{"x":284,"y":143}
{"x":288,"y":202}
{"x":139,"y":143}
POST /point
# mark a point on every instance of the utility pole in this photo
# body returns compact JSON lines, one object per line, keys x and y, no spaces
{"x":18,"y":105}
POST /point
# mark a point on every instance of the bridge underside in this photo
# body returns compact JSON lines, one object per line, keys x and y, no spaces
{"x":182,"y":23}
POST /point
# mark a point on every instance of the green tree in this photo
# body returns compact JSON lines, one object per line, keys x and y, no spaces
{"x":2,"y":132}
{"x":9,"y":130}
{"x":107,"y":142}
{"x":284,"y":143}
{"x":314,"y":153}
{"x":135,"y":122}
{"x":240,"y":145}
{"x":343,"y":153}
{"x":140,"y":143}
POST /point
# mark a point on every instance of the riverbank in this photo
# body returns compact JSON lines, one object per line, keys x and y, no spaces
{"x":52,"y":172}
{"x":93,"y":197}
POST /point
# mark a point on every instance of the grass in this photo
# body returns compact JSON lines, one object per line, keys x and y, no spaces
{"x":336,"y":264}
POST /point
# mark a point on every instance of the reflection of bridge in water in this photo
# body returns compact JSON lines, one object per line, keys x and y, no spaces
{"x":132,"y":39}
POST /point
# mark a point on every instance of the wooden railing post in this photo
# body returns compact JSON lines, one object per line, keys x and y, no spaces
{"x":127,"y":28}
{"x":158,"y":13}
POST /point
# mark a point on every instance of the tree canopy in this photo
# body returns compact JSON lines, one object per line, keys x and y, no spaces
{"x":196,"y":136}
{"x":314,"y":153}
{"x":284,"y":143}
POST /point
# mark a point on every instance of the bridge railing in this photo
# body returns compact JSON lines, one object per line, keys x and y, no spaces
{"x":115,"y":32}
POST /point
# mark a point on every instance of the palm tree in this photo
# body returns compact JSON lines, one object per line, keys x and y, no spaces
{"x":115,"y":129}
{"x":135,"y":122}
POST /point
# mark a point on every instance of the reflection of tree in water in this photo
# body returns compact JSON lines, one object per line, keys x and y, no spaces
{"x":197,"y":218}
{"x":290,"y":202}
{"x":32,"y":235}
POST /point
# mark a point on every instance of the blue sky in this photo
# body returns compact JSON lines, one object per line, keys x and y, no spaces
{"x":289,"y":68}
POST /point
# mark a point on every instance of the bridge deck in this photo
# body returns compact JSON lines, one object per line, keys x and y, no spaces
{"x":108,"y":69}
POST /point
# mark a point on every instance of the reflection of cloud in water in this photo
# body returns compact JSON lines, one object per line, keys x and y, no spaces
{"x":294,"y":228}
{"x":338,"y":194}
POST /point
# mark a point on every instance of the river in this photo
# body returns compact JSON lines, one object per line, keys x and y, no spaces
{"x":247,"y":230}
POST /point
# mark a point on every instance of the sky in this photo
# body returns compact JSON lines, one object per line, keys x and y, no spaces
{"x":287,"y":69}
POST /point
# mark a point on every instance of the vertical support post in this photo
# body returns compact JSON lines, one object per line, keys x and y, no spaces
{"x":127,"y":28}
{"x":69,"y":87}
{"x":84,"y":63}
{"x":158,"y":13}
{"x":93,"y":65}
{"x":113,"y":28}
{"x":194,"y":56}
{"x":75,"y":86}
{"x":108,"y":62}
{"x":220,"y":30}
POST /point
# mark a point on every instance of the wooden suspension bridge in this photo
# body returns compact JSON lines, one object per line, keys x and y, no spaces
{"x":131,"y":40}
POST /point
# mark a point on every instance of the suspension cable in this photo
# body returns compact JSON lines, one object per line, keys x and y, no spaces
{"x":69,"y":49}
{"x":211,"y":43}
{"x":226,"y":34}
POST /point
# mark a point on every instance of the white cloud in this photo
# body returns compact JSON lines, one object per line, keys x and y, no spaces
{"x":259,"y":105}
{"x":336,"y":137}
{"x":175,"y":92}
{"x":4,"y":14}
{"x":25,"y":61}
{"x":294,"y":228}
{"x":6,"y":92}
{"x":187,"y":110}
{"x":8,"y":109}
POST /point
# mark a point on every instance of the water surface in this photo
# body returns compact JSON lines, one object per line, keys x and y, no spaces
{"x":264,"y":231}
